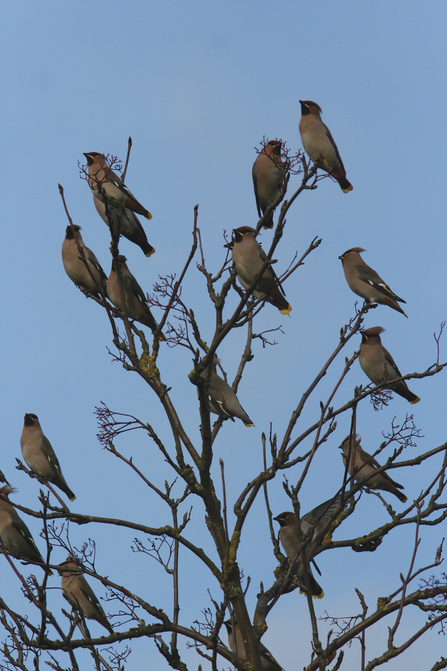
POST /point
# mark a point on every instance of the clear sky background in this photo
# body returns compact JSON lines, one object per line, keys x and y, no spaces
{"x":197,"y":85}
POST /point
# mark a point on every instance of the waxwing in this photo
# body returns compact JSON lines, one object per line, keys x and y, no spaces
{"x":361,"y":465}
{"x":268,"y":173}
{"x":222,"y":399}
{"x":378,"y":364}
{"x":40,"y":456}
{"x":78,"y":590}
{"x":319,"y":143}
{"x":136,"y":306}
{"x":289,"y":537}
{"x":14,"y":534}
{"x":236,"y":643}
{"x":126,"y":222}
{"x":365,"y":282}
{"x":248,"y":258}
{"x":117,"y":193}
{"x":75,"y":267}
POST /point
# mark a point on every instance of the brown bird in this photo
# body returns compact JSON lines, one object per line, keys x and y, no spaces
{"x":378,"y":364}
{"x":135,"y":304}
{"x":222,"y":399}
{"x":116,"y":192}
{"x":361,"y":465}
{"x":236,"y":643}
{"x":268,"y":173}
{"x":319,"y":144}
{"x":126,"y":222}
{"x":365,"y":282}
{"x":289,"y":537}
{"x":14,"y":534}
{"x":248,"y":258}
{"x":75,"y":267}
{"x":77,"y":588}
{"x":40,"y":456}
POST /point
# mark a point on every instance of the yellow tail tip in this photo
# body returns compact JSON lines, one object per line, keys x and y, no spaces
{"x":348,"y":189}
{"x":249,"y":425}
{"x":161,"y":336}
{"x":72,"y":498}
{"x":314,"y":596}
{"x":149,"y":216}
{"x":150,"y":253}
{"x":286,"y":311}
{"x":416,"y":400}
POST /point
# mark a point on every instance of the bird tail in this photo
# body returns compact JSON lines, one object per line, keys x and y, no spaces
{"x":402,"y":389}
{"x":393,"y":304}
{"x":339,"y":174}
{"x":268,"y":223}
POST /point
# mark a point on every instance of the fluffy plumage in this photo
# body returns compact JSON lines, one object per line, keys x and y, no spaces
{"x":289,"y":537}
{"x":222,"y":399}
{"x":267,"y":173}
{"x":75,"y":267}
{"x":378,"y":364}
{"x":319,"y":144}
{"x":15,"y":536}
{"x":365,"y":282}
{"x":361,"y":464}
{"x":77,"y":588}
{"x":135,"y":304}
{"x":116,"y":192}
{"x":40,"y":456}
{"x":248,"y":258}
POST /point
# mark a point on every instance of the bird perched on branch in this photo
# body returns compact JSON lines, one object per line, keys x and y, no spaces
{"x":77,"y":588}
{"x":14,"y":534}
{"x":125,"y":222}
{"x":221,"y":398}
{"x":40,"y":456}
{"x":236,"y":643}
{"x":101,"y":178}
{"x":75,"y":267}
{"x":365,"y":282}
{"x":135,"y":304}
{"x":319,"y":144}
{"x":290,"y":540}
{"x":249,"y":258}
{"x":361,"y":464}
{"x":268,"y":173}
{"x":378,"y":364}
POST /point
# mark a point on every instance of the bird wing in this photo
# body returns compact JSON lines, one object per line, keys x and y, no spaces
{"x":50,"y":454}
{"x":320,"y":514}
{"x":263,"y":257}
{"x":328,"y":133}
{"x":369,"y":276}
{"x":268,"y":655}
{"x":91,"y":258}
{"x":390,"y":361}
{"x":255,"y":185}
{"x":21,"y":528}
{"x":364,"y":456}
{"x":89,"y":594}
{"x":135,"y":288}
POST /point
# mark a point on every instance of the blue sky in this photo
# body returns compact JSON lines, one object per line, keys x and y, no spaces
{"x":197,"y":85}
